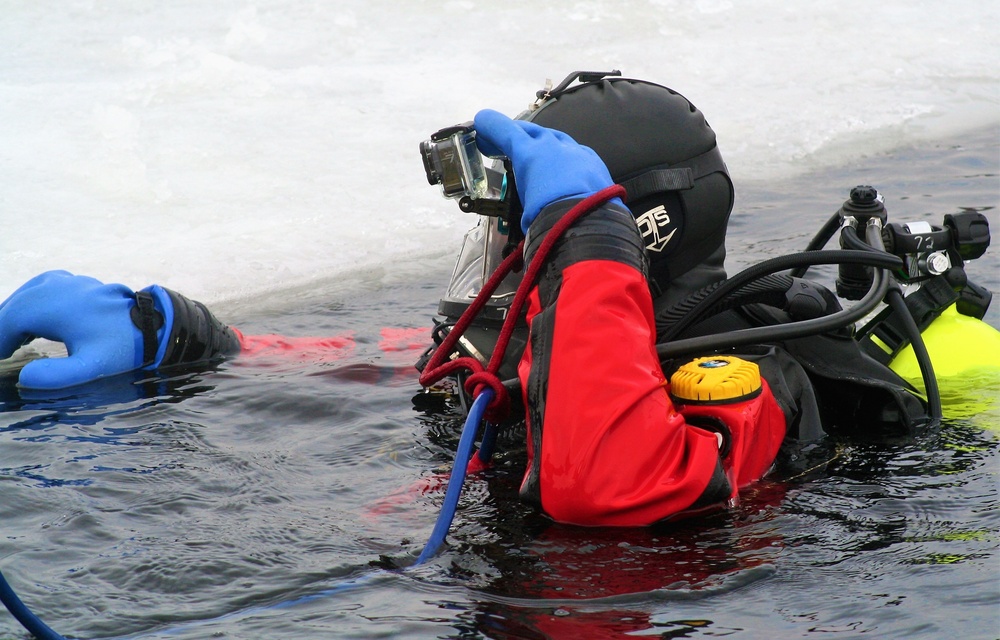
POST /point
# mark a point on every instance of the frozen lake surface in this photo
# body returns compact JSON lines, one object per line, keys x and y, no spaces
{"x":229,"y":148}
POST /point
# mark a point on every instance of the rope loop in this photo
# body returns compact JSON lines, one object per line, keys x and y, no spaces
{"x":499,"y":406}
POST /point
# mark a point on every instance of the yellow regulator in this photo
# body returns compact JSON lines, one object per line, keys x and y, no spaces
{"x":715,"y":380}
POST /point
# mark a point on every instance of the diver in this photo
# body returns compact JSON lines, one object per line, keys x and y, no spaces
{"x":621,"y":202}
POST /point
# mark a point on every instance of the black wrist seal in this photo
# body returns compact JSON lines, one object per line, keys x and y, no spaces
{"x":196,"y":335}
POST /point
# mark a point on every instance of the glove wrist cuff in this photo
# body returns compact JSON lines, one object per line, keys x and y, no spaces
{"x":152,"y":311}
{"x":153,"y":316}
{"x":192,"y":334}
{"x":174,"y":330}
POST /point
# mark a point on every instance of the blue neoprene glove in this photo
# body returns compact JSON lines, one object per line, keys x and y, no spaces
{"x":548,"y":165}
{"x":91,"y":318}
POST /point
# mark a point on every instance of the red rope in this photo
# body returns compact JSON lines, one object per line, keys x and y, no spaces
{"x":437,"y":368}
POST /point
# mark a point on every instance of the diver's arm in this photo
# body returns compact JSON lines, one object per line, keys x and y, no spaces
{"x":110,"y":329}
{"x":606,"y":444}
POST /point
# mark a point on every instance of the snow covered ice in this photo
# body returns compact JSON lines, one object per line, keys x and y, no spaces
{"x":230,"y":148}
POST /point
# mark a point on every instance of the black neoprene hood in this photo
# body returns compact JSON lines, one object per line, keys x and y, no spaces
{"x":659,"y":146}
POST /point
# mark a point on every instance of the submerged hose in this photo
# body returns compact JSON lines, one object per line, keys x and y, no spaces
{"x":457,"y":479}
{"x":485,"y":381}
{"x":20,"y":611}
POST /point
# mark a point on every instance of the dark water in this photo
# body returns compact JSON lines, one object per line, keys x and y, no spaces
{"x":202,"y":504}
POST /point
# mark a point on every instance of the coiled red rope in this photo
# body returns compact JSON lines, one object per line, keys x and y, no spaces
{"x":438,"y":368}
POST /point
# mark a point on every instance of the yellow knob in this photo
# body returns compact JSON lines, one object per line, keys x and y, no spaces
{"x":715,"y":380}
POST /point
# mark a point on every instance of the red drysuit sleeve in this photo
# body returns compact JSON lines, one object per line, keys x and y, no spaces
{"x":606,"y":444}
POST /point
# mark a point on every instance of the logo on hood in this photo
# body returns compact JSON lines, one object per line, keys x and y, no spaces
{"x":656,"y":228}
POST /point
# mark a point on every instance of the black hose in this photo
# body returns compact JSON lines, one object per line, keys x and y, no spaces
{"x":819,"y":241}
{"x":776,"y":333}
{"x":770,"y":290}
{"x":774,"y":265}
{"x":852,"y":241}
{"x":894,"y":298}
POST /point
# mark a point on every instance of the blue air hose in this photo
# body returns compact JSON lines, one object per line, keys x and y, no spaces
{"x":28,"y":620}
{"x":454,"y":490}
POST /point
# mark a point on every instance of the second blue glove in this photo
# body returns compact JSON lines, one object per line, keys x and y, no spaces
{"x":107,"y":329}
{"x":548,"y":165}
{"x":89,"y":317}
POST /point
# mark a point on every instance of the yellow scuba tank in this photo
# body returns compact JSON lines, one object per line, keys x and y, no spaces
{"x":965,"y":354}
{"x":956,"y":344}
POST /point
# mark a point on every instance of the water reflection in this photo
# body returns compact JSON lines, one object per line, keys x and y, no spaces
{"x":264,"y":474}
{"x":836,"y":511}
{"x":93,"y":402}
{"x":533,"y":578}
{"x":573,"y":582}
{"x":89,"y":422}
